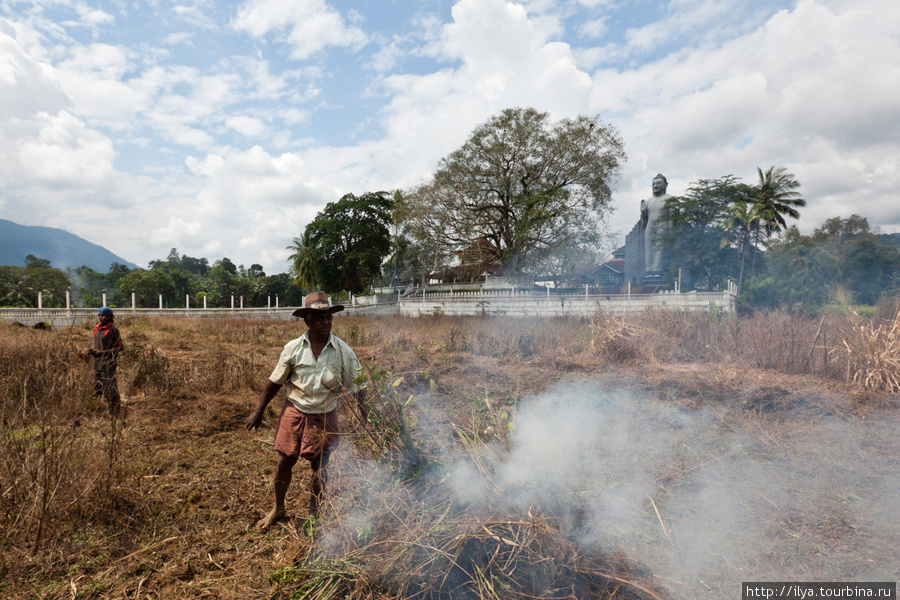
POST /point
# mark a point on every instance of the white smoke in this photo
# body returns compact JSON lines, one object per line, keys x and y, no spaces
{"x":704,"y":499}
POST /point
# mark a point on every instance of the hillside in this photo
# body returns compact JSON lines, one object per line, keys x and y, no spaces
{"x":61,"y":248}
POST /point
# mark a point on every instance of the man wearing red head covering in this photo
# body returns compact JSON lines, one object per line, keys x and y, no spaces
{"x":107,"y":344}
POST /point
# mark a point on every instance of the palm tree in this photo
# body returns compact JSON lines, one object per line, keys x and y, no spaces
{"x":743,"y":219}
{"x":302,"y":264}
{"x":776,"y":197}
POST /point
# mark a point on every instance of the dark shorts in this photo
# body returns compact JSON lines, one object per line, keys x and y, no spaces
{"x":304,"y":435}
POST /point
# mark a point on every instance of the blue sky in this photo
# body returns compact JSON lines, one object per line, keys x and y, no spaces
{"x":222,"y":128}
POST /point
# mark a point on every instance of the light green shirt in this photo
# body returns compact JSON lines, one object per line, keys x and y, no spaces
{"x":313,"y":385}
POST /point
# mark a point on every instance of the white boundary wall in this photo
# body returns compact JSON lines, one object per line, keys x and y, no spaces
{"x":494,"y":303}
{"x":560,"y":306}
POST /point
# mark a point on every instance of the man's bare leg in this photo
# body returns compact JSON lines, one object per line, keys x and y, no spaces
{"x":282,"y":481}
{"x":317,"y":482}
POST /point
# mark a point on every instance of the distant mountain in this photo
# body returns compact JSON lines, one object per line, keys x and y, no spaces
{"x":60,"y":247}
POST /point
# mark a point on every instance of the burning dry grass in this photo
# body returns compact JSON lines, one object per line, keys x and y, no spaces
{"x":466,"y":556}
{"x":395,"y":528}
{"x":159,"y":504}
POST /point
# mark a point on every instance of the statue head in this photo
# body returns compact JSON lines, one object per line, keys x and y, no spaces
{"x":659,"y":184}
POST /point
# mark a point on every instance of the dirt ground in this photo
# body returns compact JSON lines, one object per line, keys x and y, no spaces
{"x":703,"y":474}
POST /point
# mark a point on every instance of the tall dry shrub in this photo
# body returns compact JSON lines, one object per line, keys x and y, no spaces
{"x":53,"y":459}
{"x":616,"y":339}
{"x":778,"y":340}
{"x":871,"y":353}
{"x":674,"y":336}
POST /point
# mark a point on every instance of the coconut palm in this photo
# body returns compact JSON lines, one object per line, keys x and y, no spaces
{"x":776,"y":198}
{"x":302,"y":264}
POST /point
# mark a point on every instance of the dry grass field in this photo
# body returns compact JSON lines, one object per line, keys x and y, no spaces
{"x":658,"y":456}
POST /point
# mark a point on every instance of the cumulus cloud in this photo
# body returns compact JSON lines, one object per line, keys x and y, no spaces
{"x":503,"y":60}
{"x":311,"y":25}
{"x":26,"y":84}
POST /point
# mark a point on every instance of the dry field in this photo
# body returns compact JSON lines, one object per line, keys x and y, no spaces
{"x":659,"y":456}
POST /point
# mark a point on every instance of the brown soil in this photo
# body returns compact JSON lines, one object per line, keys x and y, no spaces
{"x":192,"y":481}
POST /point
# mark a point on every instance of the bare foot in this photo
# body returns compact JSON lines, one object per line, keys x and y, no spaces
{"x":270,"y":519}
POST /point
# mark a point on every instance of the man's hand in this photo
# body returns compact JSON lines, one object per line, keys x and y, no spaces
{"x":256,"y":416}
{"x":254,"y":420}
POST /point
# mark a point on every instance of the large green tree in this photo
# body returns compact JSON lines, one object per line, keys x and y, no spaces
{"x":699,"y":225}
{"x":349,"y":240}
{"x":520,"y":188}
{"x":147,"y":285}
{"x":803,"y":272}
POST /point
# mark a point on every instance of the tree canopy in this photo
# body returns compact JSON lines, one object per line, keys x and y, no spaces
{"x":19,"y":286}
{"x":520,"y":188}
{"x":348,"y":241}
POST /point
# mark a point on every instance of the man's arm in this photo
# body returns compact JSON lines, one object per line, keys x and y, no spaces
{"x":256,"y":416}
{"x":109,"y":353}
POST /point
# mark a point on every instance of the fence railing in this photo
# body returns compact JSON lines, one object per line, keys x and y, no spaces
{"x":32,"y":316}
{"x":57,"y":315}
{"x":469,"y":295}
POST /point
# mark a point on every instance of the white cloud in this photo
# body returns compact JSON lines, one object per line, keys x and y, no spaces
{"x":26,"y":85}
{"x":246,"y":126}
{"x":57,"y":151}
{"x":177,"y":229}
{"x":503,"y":62}
{"x":311,"y":25}
{"x":178,"y":38}
{"x":92,"y":17}
{"x":593,"y":28}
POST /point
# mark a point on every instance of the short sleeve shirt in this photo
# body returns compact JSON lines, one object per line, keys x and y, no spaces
{"x":312,"y":385}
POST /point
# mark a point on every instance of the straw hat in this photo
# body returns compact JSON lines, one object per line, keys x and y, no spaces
{"x":316,"y":302}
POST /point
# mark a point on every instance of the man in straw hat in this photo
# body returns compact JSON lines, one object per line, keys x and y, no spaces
{"x":317,"y":370}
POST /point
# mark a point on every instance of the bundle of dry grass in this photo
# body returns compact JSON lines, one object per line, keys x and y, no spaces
{"x":459,"y":554}
{"x":872,"y":355}
{"x":615,"y":338}
{"x":396,"y":529}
